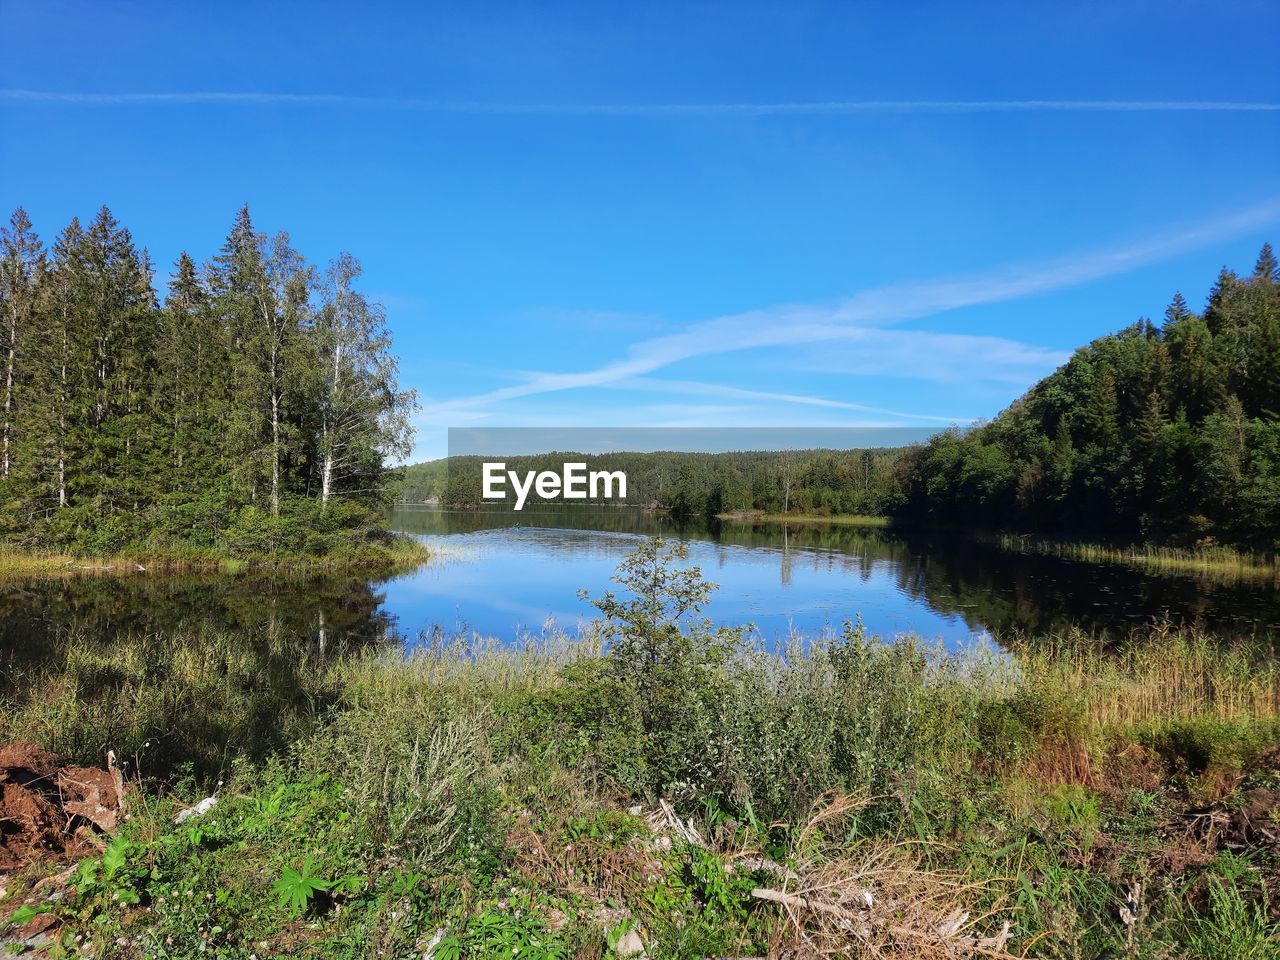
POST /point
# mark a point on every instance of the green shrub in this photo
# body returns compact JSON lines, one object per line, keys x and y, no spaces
{"x":417,"y":778}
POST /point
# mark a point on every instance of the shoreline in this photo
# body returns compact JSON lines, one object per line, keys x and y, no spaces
{"x":401,"y":554}
{"x":840,"y":519}
{"x":1087,"y":759}
{"x":1218,"y":562}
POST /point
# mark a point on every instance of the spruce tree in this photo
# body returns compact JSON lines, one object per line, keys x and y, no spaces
{"x":21,"y":273}
{"x":1267,"y":269}
{"x":1177,"y":309}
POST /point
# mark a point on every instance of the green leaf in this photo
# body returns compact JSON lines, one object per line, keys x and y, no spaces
{"x":26,"y":913}
{"x":113,"y":857}
{"x":297,"y":888}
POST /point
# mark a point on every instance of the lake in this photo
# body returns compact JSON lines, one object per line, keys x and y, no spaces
{"x":500,"y":574}
{"x":503,"y":572}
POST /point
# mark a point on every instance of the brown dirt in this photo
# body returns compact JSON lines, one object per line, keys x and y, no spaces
{"x":1256,"y":822}
{"x":47,"y":812}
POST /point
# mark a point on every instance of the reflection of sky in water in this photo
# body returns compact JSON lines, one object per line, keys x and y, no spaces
{"x":495,"y":582}
{"x":495,"y":579}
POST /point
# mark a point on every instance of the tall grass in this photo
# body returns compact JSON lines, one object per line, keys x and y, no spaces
{"x":772,"y":728}
{"x":1162,"y":675}
{"x":463,"y":778}
{"x":399,"y":554}
{"x":834,"y":519}
{"x":1221,"y":564}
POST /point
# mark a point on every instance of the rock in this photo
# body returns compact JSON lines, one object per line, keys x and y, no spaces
{"x":629,"y":945}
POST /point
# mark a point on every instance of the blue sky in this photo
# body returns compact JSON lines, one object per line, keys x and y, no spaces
{"x":680,"y":214}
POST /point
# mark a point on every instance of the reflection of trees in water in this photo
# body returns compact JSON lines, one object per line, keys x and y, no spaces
{"x":291,"y":610}
{"x":199,"y":670}
{"x":1018,"y":595}
{"x":988,"y":588}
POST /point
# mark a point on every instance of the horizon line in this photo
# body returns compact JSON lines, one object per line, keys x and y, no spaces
{"x":636,"y":109}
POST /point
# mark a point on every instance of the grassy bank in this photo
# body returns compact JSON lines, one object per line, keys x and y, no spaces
{"x":393,"y":553}
{"x":666,"y":782}
{"x":840,"y":519}
{"x":1215,"y":563}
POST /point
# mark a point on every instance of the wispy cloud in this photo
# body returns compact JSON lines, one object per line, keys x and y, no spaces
{"x":817,"y":107}
{"x":851,"y":319}
{"x":698,"y":388}
{"x":932,"y":356}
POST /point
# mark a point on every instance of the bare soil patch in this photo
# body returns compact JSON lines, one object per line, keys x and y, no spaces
{"x":50,"y":812}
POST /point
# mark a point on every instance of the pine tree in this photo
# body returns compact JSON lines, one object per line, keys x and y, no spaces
{"x":1219,"y":309}
{"x":1177,"y":309}
{"x":179,"y":380}
{"x":124,"y":420}
{"x":48,"y":396}
{"x":1209,"y":470}
{"x":1267,"y":269}
{"x":1151,"y":424}
{"x":118,"y":323}
{"x":21,"y":273}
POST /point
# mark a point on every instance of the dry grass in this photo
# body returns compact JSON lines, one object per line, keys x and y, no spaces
{"x":838,"y":519}
{"x":401,"y":555}
{"x":873,"y":898}
{"x":1166,"y":675}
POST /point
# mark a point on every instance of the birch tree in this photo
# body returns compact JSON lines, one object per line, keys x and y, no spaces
{"x":363,"y":415}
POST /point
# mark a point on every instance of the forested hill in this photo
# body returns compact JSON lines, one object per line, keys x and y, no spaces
{"x":254,"y":411}
{"x":1166,"y":432}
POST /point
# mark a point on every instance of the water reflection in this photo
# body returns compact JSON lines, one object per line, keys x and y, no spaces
{"x":314,"y":612}
{"x":506,"y":569}
{"x":500,"y":572}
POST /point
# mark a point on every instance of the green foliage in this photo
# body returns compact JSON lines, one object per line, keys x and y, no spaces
{"x":667,"y":661}
{"x":1235,"y":925}
{"x":1205,"y":748}
{"x":492,"y":934}
{"x":469,"y":801}
{"x":1166,"y":433}
{"x":296,"y":889}
{"x":255,"y":412}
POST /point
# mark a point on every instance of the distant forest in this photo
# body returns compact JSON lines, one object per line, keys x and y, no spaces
{"x":255,"y":409}
{"x":694,"y":484}
{"x":1168,"y":433}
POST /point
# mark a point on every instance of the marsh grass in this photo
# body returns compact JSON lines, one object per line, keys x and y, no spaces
{"x":1159,"y":676}
{"x":834,"y":519}
{"x":398,"y":554}
{"x":1220,"y":564}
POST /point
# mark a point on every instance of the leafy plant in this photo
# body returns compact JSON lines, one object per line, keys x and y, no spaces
{"x":297,"y":888}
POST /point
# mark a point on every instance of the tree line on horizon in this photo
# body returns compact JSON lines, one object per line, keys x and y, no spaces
{"x":690,"y":485}
{"x":255,"y":407}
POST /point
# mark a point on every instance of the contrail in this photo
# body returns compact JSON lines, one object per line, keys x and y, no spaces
{"x":831,"y":107}
{"x":864,"y":314}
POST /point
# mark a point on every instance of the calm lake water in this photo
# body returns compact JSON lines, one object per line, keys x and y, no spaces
{"x":499,"y":574}
{"x":502,"y":573}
